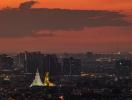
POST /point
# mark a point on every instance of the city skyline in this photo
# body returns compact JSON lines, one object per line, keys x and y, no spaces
{"x":98,"y":26}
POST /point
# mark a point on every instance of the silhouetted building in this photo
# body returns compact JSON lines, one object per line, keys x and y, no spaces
{"x":71,"y":66}
{"x":6,"y":62}
{"x":123,"y":67}
{"x":44,"y":63}
{"x":88,"y":62}
{"x":33,"y":61}
{"x":30,"y":61}
{"x":52,"y":65}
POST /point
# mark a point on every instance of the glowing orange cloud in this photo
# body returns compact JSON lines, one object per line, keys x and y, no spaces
{"x":74,"y":4}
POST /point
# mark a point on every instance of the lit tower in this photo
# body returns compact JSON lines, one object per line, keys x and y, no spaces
{"x":37,"y":81}
{"x":46,"y":80}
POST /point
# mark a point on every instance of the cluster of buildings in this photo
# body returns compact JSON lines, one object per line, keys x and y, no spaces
{"x":6,"y":62}
{"x":56,"y":65}
{"x":68,"y":64}
{"x":82,"y":75}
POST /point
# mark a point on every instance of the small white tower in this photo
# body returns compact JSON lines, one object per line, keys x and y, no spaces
{"x":37,"y":81}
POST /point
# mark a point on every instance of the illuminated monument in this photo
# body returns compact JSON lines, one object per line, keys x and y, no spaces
{"x":37,"y":81}
{"x":47,"y":82}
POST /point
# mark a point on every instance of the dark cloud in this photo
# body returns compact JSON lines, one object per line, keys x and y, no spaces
{"x":21,"y":23}
{"x":27,"y":5}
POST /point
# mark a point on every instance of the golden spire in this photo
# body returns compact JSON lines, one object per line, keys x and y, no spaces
{"x":46,"y":80}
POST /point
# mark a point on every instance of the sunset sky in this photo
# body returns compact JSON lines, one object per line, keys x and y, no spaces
{"x":74,"y":4}
{"x":109,"y":31}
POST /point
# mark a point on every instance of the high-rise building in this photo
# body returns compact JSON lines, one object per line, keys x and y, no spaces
{"x":33,"y":61}
{"x":52,"y":65}
{"x":71,"y":66}
{"x":6,"y":62}
{"x":44,"y":63}
{"x":123,"y":67}
{"x":30,"y":61}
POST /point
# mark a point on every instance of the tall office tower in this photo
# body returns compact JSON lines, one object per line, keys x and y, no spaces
{"x":52,"y":65}
{"x":123,"y":67}
{"x":71,"y":66}
{"x":19,"y":61}
{"x":34,"y":60}
{"x":6,"y":62}
{"x":44,"y":63}
{"x":88,"y":62}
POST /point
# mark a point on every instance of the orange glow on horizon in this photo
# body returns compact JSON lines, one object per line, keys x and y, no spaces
{"x":74,"y":4}
{"x":74,"y":42}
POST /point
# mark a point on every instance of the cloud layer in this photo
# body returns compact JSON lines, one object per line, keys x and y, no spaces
{"x":24,"y":21}
{"x":27,"y":5}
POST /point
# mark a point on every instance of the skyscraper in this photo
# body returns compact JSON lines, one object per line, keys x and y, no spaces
{"x":71,"y":66}
{"x":52,"y":65}
{"x":123,"y":67}
{"x":6,"y":62}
